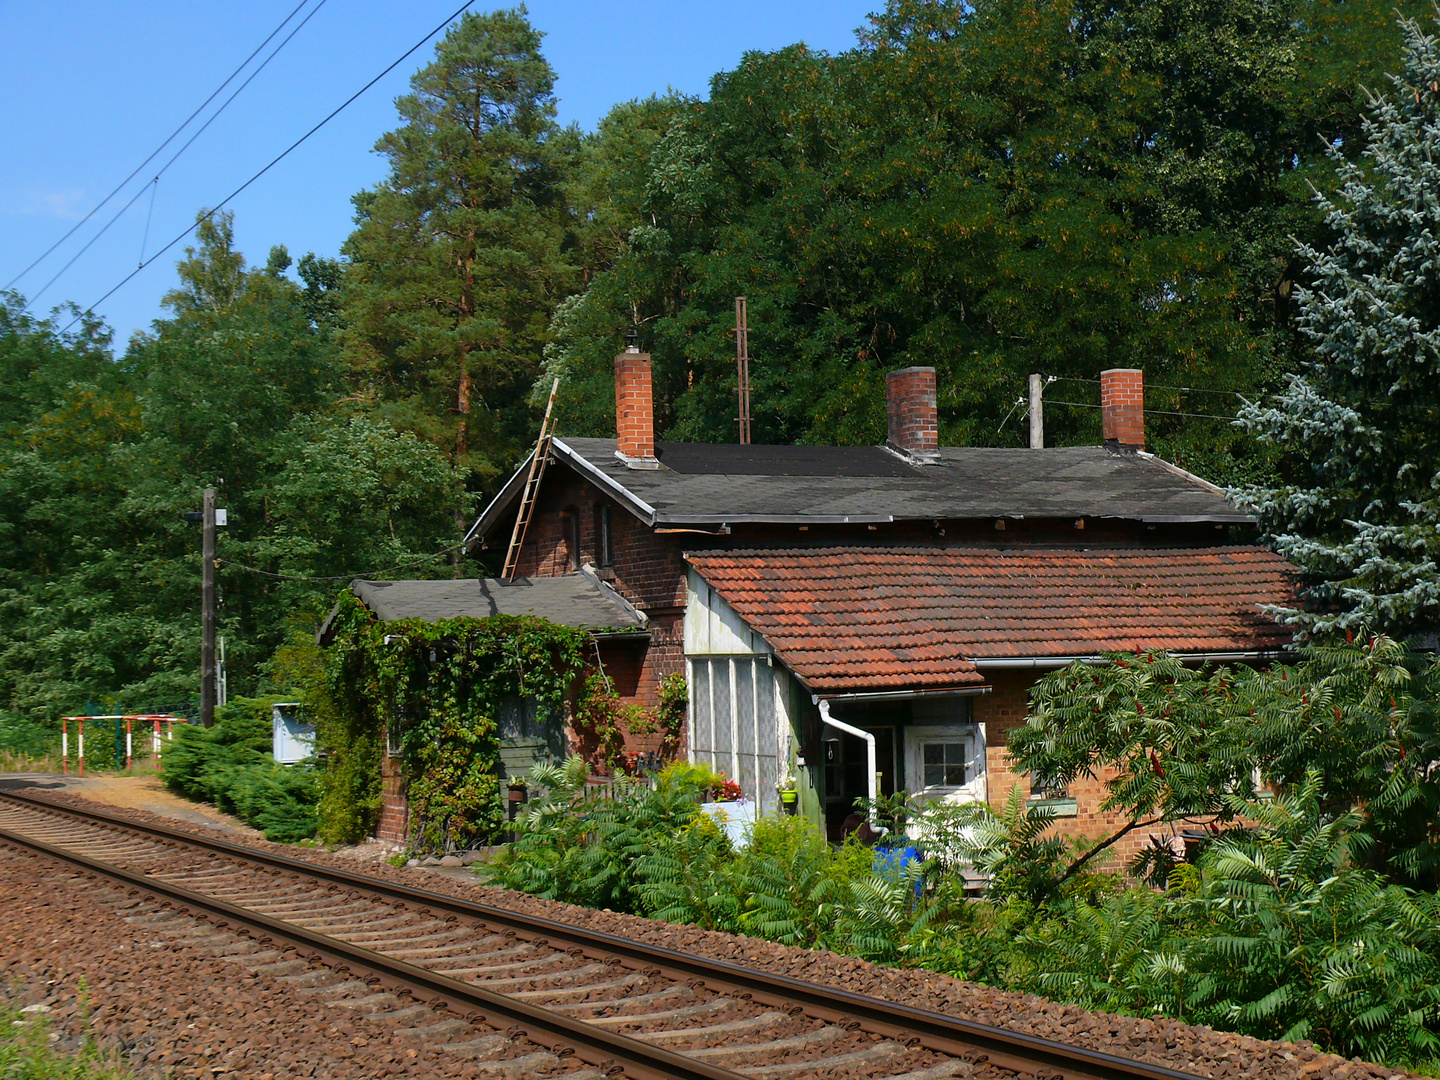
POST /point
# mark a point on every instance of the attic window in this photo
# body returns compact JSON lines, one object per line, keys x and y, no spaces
{"x":604,"y":542}
{"x":570,"y":532}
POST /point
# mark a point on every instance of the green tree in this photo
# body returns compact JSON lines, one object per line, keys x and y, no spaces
{"x":456,"y":261}
{"x":1176,"y":744}
{"x":100,"y":459}
{"x":994,"y":189}
{"x":1357,"y":507}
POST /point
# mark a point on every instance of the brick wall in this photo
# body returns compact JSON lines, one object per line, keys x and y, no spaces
{"x":394,"y":809}
{"x":649,"y":569}
{"x":1122,"y":407}
{"x":911,"y":408}
{"x":1002,"y":711}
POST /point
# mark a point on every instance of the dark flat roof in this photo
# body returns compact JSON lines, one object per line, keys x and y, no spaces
{"x":705,"y":484}
{"x":577,"y":600}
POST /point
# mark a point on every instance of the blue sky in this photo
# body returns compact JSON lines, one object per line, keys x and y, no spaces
{"x":90,"y":88}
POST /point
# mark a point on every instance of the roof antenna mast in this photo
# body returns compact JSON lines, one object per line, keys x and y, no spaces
{"x":532,"y":486}
{"x":742,"y":366}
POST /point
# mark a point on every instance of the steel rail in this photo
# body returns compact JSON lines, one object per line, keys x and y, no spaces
{"x":954,"y":1036}
{"x":596,"y":1046}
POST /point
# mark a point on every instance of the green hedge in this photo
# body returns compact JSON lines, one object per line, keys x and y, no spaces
{"x":231,"y":766}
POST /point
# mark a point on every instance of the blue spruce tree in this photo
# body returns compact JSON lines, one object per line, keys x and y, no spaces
{"x":1357,"y":506}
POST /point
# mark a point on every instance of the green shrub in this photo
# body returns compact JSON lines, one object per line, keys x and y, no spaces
{"x":582,"y":848}
{"x":650,"y":851}
{"x":22,"y":735}
{"x":1275,"y":933}
{"x":231,"y":766}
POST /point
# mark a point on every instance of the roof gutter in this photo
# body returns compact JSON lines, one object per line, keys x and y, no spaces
{"x":902,"y":695}
{"x":777,"y":519}
{"x":1032,"y":663}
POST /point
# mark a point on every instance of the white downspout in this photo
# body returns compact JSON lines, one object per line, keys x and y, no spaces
{"x":826,"y":718}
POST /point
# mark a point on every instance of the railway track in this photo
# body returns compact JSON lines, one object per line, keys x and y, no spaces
{"x":475,"y":978}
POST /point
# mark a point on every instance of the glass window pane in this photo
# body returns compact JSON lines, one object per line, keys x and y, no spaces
{"x":945,"y":763}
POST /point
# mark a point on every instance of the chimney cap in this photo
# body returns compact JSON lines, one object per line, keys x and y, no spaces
{"x":632,"y":340}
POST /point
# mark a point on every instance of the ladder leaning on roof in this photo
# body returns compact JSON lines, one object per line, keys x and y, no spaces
{"x":532,"y":486}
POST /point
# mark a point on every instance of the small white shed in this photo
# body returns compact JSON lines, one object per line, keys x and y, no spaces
{"x":294,"y":737}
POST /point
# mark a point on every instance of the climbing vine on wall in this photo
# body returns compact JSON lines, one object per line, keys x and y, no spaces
{"x":441,"y":684}
{"x":605,"y":719}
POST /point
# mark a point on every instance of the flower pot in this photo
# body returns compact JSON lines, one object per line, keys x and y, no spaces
{"x":789,"y":800}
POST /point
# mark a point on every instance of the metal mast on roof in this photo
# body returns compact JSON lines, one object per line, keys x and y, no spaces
{"x":742,"y":365}
{"x":532,"y":486}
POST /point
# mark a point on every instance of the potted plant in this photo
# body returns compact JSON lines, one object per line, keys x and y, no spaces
{"x":788,"y":788}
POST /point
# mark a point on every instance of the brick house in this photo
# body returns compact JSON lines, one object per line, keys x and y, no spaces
{"x":834,"y":606}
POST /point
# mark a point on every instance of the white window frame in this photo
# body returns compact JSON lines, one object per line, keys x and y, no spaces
{"x":917,"y":736}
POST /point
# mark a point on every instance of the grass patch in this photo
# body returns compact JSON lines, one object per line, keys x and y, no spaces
{"x":29,"y":1049}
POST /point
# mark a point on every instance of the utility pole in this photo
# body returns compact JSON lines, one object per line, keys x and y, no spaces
{"x":1037,"y":413}
{"x":742,"y":367}
{"x":207,"y":610}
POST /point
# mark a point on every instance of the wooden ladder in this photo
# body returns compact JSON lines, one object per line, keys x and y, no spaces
{"x":532,"y":486}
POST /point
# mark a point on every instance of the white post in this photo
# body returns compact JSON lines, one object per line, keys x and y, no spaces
{"x":826,"y":718}
{"x":690,"y":709}
{"x":755,"y":724}
{"x":1037,"y":414}
{"x":734,"y":727}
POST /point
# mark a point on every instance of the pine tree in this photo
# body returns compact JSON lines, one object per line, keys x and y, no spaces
{"x":1358,"y":505}
{"x":456,"y":261}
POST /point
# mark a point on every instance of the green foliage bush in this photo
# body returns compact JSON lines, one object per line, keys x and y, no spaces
{"x":24,"y":735}
{"x":231,"y":765}
{"x":1277,"y":931}
{"x":650,"y":851}
{"x":584,"y":847}
{"x":439,"y":687}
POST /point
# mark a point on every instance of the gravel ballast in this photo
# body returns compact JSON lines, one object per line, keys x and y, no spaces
{"x":1160,"y":1041}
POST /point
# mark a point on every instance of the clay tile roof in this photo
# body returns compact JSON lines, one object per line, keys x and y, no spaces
{"x":848,"y":619}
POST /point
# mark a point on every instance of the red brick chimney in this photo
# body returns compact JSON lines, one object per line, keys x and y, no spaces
{"x":1122,"y":408}
{"x":910,"y":401}
{"x":634,"y":410}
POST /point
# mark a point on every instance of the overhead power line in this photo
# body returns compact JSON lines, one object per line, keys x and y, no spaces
{"x":155,"y":181}
{"x":1148,"y":412}
{"x":156,"y":152}
{"x":1155,"y":386}
{"x":277,"y":158}
{"x":362,"y":574}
